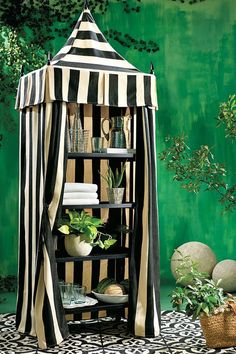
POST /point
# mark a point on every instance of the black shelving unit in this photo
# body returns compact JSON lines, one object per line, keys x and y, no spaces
{"x":101,"y":155}
{"x":100,"y":306}
{"x":116,"y":254}
{"x":100,"y":206}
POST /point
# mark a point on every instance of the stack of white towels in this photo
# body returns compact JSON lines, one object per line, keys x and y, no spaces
{"x":80,"y":194}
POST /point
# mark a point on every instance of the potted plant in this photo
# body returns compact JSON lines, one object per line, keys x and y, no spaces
{"x":115,"y":193}
{"x":82,"y":234}
{"x":204,"y":299}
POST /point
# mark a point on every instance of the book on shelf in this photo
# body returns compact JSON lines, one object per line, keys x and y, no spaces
{"x":119,"y":151}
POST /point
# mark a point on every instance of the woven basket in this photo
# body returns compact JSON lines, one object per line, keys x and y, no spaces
{"x":219,"y":330}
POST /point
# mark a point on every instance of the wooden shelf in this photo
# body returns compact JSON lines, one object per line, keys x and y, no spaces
{"x":99,"y":206}
{"x":100,"y":155}
{"x":115,"y":254}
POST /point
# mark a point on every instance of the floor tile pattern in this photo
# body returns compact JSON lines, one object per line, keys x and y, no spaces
{"x":178,"y":336}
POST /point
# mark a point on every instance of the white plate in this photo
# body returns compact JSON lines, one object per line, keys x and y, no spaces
{"x":112,"y":299}
{"x":88,"y":302}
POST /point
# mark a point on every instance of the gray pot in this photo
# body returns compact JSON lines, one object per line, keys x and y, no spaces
{"x":115,"y":195}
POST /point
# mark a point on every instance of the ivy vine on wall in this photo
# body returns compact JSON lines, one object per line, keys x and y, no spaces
{"x":127,"y":41}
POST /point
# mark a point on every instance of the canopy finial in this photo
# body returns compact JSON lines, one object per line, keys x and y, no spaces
{"x":85,"y":4}
{"x":22,"y":70}
{"x":151,"y":68}
{"x":49,"y":58}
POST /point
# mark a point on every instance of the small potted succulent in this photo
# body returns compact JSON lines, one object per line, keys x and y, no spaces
{"x":204,"y":299}
{"x":82,"y":234}
{"x":115,"y":193}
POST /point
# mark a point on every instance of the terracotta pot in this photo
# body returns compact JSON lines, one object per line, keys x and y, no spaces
{"x":74,"y":247}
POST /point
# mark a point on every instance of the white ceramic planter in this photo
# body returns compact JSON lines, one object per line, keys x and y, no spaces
{"x":74,"y":247}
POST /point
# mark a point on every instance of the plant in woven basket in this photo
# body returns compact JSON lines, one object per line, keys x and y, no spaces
{"x":204,"y":299}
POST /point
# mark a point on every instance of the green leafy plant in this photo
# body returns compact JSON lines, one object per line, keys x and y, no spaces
{"x":227,"y":116}
{"x":202,"y":296}
{"x":15,"y":51}
{"x":197,"y":169}
{"x":86,"y":226}
{"x":114,"y":179}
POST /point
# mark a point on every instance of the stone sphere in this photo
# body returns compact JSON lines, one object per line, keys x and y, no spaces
{"x":226,"y":271}
{"x":199,"y":253}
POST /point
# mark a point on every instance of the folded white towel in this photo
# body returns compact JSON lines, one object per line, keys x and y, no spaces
{"x":80,"y":201}
{"x":80,"y":195}
{"x":80,"y":187}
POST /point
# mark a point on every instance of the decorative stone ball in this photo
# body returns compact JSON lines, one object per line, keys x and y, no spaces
{"x":226,"y":271}
{"x":199,"y":253}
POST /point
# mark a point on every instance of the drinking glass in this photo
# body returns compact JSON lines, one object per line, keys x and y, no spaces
{"x":97,"y":143}
{"x":66,"y":293}
{"x":79,"y":293}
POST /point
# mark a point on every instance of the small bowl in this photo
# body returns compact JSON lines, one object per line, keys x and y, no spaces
{"x":111,"y":299}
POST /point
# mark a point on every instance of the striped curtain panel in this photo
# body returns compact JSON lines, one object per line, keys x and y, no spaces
{"x":144,"y":297}
{"x":39,"y":308}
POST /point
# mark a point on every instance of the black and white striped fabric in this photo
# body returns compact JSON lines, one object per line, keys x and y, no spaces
{"x":87,"y":48}
{"x":42,"y":136}
{"x":91,"y":71}
{"x":87,"y":71}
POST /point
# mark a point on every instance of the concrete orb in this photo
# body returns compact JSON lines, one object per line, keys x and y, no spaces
{"x":199,"y":253}
{"x":226,"y":271}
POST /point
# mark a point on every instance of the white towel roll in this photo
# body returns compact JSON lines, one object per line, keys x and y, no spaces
{"x":80,"y":195}
{"x":80,"y":187}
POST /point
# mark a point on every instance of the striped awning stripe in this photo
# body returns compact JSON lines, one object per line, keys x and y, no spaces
{"x":31,"y":89}
{"x":88,"y":70}
{"x":66,"y":84}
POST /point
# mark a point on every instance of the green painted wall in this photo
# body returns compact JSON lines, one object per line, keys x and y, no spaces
{"x":196,"y":71}
{"x":8,"y":192}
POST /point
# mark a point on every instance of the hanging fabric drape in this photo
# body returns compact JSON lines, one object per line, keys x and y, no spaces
{"x":144,"y":302}
{"x":87,"y":70}
{"x":42,"y":136}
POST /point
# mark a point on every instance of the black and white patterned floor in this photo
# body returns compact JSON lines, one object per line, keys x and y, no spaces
{"x":178,"y":336}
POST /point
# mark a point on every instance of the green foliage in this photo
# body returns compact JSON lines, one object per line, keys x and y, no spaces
{"x":114,"y":179}
{"x":40,"y":17}
{"x":187,"y":270}
{"x":86,"y":226}
{"x":196,"y":169}
{"x":227,"y":116}
{"x":128,"y":41}
{"x":202,"y":296}
{"x":15,"y":51}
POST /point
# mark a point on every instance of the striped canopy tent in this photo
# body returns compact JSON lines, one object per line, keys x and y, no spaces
{"x":86,"y":71}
